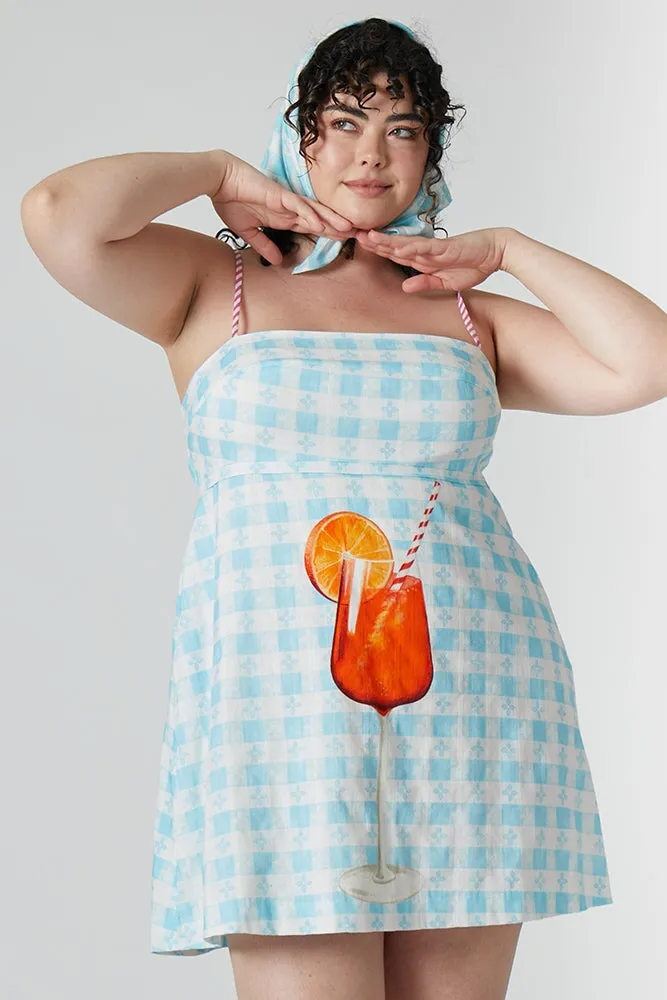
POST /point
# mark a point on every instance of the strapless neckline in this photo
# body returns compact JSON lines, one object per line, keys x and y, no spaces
{"x":252,"y":334}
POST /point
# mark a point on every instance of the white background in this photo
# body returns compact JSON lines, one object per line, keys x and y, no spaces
{"x":564,"y":140}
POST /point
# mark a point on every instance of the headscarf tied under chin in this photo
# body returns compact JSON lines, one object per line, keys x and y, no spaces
{"x":284,"y":163}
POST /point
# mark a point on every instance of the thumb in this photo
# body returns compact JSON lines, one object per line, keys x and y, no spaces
{"x":421,"y":283}
{"x":262,"y":244}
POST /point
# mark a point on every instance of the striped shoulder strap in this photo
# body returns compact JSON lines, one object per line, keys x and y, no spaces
{"x":238,"y":291}
{"x":467,"y":322}
{"x":238,"y":295}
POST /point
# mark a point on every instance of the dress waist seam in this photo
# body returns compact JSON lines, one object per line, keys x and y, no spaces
{"x":304,"y":473}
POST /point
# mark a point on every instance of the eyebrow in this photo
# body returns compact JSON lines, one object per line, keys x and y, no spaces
{"x":358,"y":113}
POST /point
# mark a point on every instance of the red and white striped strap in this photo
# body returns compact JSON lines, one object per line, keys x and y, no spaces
{"x":466,"y":319}
{"x":238,"y":282}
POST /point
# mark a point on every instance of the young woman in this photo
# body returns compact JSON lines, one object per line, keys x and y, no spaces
{"x":372,"y":770}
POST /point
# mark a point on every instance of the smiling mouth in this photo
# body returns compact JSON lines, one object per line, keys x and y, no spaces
{"x":368,"y":190}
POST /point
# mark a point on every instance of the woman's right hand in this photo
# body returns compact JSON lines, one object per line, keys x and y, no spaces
{"x":247,"y":199}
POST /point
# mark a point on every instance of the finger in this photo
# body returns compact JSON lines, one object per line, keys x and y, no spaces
{"x":384,"y":248}
{"x":390,"y":239}
{"x":294,"y":203}
{"x":411,"y":257}
{"x":421,"y":283}
{"x":339,"y":231}
{"x":418,"y":244}
{"x":323,"y":229}
{"x":299,"y":225}
{"x":303,"y":224}
{"x":310,"y":220}
{"x":263,"y":245}
{"x":423,"y":263}
{"x":325,"y":213}
{"x":328,"y":214}
{"x":402,"y":256}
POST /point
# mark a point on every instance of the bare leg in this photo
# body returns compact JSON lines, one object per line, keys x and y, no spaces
{"x":453,"y":963}
{"x":308,"y":967}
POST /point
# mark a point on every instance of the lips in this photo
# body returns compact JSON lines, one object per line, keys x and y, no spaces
{"x":372,"y":185}
{"x":366,"y":190}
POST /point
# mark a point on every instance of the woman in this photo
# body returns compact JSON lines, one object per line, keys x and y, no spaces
{"x":372,"y":770}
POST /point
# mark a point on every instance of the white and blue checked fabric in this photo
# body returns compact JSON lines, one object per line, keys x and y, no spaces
{"x":267,"y":776}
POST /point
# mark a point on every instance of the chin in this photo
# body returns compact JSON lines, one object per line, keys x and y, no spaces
{"x":364,"y":222}
{"x":378,"y":224}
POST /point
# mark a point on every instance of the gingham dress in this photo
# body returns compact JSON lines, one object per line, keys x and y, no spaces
{"x":268,"y":770}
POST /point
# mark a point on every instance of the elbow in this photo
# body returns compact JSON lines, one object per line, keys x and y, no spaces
{"x":36,"y":208}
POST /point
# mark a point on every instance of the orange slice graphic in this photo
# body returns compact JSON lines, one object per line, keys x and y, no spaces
{"x":341,"y":533}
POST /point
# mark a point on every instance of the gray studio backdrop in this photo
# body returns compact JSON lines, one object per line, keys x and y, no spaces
{"x":563,"y":140}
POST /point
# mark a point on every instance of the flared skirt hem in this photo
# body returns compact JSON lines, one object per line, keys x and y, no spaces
{"x":539,"y":906}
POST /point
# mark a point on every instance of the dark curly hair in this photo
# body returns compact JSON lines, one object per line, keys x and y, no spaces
{"x":344,"y":62}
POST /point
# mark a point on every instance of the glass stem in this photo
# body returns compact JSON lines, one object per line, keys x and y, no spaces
{"x":383,"y":873}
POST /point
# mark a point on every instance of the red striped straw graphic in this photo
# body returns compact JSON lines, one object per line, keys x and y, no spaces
{"x":419,"y":534}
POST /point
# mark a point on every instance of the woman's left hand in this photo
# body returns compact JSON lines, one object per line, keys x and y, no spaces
{"x":452,"y":264}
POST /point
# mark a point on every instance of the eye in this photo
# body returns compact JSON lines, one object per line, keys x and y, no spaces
{"x":341,"y":121}
{"x":412,"y":132}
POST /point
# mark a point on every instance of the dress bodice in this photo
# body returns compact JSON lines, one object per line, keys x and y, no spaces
{"x":355,"y":403}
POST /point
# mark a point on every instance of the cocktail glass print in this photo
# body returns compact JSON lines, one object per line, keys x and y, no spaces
{"x":380,"y":651}
{"x":381,"y":656}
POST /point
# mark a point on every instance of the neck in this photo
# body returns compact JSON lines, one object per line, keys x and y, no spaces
{"x":364,"y":266}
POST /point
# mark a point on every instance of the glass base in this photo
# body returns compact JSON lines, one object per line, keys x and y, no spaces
{"x":360,"y":883}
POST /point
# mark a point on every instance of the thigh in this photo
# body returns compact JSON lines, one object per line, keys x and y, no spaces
{"x":308,"y":966}
{"x":453,"y":963}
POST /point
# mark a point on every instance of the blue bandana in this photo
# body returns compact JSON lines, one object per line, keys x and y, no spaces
{"x":283,"y":162}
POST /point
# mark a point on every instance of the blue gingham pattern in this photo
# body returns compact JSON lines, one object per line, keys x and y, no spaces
{"x":267,"y":775}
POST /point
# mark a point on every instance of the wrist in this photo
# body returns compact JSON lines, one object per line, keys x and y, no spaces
{"x":219,"y":162}
{"x":512,"y":242}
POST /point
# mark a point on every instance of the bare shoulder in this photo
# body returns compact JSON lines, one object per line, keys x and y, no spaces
{"x":541,"y":366}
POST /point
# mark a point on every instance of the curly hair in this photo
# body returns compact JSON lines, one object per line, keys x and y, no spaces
{"x":344,"y":62}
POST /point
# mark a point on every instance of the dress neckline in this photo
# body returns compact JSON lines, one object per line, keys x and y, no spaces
{"x":447,"y":339}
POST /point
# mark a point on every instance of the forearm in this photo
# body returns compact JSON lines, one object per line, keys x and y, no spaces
{"x":614,"y":322}
{"x":112,"y":197}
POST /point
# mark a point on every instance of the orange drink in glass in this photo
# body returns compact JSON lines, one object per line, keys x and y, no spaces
{"x":380,"y":656}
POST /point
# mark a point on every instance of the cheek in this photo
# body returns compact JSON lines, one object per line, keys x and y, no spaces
{"x":330,"y":157}
{"x":413,"y":169}
{"x":417,"y":154}
{"x":332,"y":147}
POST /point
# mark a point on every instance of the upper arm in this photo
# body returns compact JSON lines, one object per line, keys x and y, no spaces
{"x":146,"y":282}
{"x":541,"y":366}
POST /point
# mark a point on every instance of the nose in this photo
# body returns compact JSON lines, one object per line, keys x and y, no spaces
{"x":370,"y":153}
